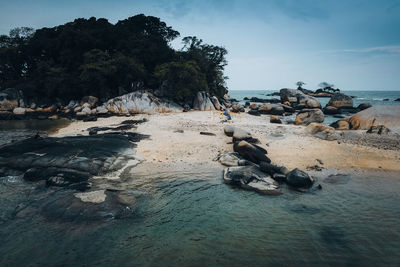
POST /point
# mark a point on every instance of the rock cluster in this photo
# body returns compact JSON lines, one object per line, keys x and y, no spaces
{"x":250,"y":168}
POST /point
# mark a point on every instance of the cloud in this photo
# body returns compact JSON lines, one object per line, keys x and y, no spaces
{"x":390,"y":49}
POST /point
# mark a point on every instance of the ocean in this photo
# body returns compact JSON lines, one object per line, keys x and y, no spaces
{"x":376,"y":98}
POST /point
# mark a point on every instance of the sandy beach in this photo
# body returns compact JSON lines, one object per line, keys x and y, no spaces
{"x":175,"y":138}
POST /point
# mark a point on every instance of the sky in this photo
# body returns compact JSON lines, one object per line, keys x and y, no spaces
{"x":272,"y":44}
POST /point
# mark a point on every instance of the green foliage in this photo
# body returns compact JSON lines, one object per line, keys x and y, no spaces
{"x":95,"y":57}
{"x":181,"y":80}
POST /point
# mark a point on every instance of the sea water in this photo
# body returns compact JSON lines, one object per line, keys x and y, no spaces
{"x":375,"y":98}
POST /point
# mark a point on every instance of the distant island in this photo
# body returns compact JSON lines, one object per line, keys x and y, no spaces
{"x":97,"y":58}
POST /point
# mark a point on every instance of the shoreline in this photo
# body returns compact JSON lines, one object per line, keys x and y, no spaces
{"x":175,"y":138}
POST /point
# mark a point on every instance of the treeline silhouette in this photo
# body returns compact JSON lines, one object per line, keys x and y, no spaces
{"x":95,"y":57}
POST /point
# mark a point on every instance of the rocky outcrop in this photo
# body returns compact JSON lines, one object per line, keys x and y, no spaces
{"x":308,"y":116}
{"x":237,"y":108}
{"x":251,"y":178}
{"x":216,"y":103}
{"x":141,"y":102}
{"x":10,"y":99}
{"x":298,"y":99}
{"x":339,"y":100}
{"x":273,"y":109}
{"x":202,"y":101}
{"x":388,"y":116}
{"x":299,"y":178}
{"x":251,"y":152}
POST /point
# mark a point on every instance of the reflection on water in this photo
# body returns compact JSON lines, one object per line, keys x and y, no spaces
{"x":14,"y":130}
{"x":193,"y":218}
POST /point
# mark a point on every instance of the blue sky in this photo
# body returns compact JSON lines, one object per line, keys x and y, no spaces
{"x":272,"y":44}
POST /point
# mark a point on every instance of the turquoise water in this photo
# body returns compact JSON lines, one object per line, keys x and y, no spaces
{"x":194,"y":219}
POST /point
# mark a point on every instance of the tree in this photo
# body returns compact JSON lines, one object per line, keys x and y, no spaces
{"x":325,"y":85}
{"x":300,"y":85}
{"x":181,"y":80}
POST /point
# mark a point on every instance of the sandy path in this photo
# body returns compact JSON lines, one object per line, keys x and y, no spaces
{"x":176,"y":138}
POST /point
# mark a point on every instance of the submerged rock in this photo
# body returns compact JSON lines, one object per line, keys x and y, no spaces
{"x":251,"y":178}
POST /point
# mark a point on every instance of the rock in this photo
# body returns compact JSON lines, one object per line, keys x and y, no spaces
{"x":273,"y":109}
{"x":228,"y":130}
{"x":86,"y":105}
{"x":298,"y":99}
{"x":379,"y":129}
{"x":386,"y":99}
{"x":254,"y":112}
{"x":140,"y":102}
{"x":363,"y":106}
{"x":322,"y":131}
{"x":247,"y":104}
{"x":53,"y":117}
{"x":308,"y":116}
{"x":91,"y":100}
{"x":299,"y":178}
{"x":86,"y":111}
{"x":398,"y":99}
{"x":388,"y":116}
{"x":207,"y":133}
{"x":340,"y":100}
{"x":237,"y":108}
{"x":265,"y":109}
{"x":251,"y":152}
{"x":287,"y":108}
{"x":230,"y":159}
{"x":10,"y":99}
{"x":274,"y":119}
{"x":240,"y":134}
{"x":253,"y":106}
{"x":93,"y":111}
{"x":216,"y":103}
{"x":271,"y":169}
{"x":71,"y":104}
{"x":77,"y":109}
{"x":102,"y":110}
{"x":341,"y":125}
{"x":90,"y":118}
{"x":65,"y":161}
{"x":202,"y":101}
{"x":330,"y":110}
{"x":33,"y":105}
{"x":19,"y":111}
{"x":251,"y":178}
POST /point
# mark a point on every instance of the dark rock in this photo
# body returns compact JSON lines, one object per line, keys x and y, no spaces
{"x":247,"y":104}
{"x":363,"y":106}
{"x":254,"y":112}
{"x":378,"y":129}
{"x":230,"y":159}
{"x":251,"y":152}
{"x":279,"y":177}
{"x":207,"y":133}
{"x":90,"y":118}
{"x":386,"y":99}
{"x":340,"y":100}
{"x":299,"y":178}
{"x":271,"y":169}
{"x":274,"y":119}
{"x":10,"y":99}
{"x":398,"y":99}
{"x":251,"y":178}
{"x":237,"y":108}
{"x":330,"y":110}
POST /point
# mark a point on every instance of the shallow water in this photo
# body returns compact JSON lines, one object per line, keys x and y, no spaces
{"x":193,"y":218}
{"x":14,"y":130}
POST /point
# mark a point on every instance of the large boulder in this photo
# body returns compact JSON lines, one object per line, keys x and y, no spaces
{"x":299,"y":178}
{"x":273,"y":109}
{"x":340,"y":100}
{"x":91,"y":100}
{"x":363,"y":106}
{"x":229,"y":130}
{"x":389,"y":116}
{"x":307,"y":116}
{"x":216,"y":103}
{"x":251,"y":178}
{"x":10,"y":99}
{"x":251,"y":152}
{"x":202,"y":101}
{"x":239,"y":134}
{"x":237,"y":108}
{"x":140,"y":102}
{"x":272,"y":169}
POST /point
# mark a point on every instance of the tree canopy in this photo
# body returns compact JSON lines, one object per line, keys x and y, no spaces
{"x":94,"y":57}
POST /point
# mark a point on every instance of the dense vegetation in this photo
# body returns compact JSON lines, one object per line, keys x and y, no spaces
{"x":95,"y":57}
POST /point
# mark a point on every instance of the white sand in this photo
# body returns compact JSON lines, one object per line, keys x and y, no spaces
{"x":168,"y":146}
